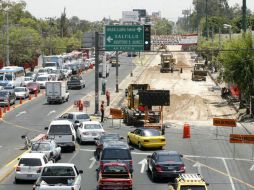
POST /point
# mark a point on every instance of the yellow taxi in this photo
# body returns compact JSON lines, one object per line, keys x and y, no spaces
{"x":146,"y":138}
{"x":189,"y":181}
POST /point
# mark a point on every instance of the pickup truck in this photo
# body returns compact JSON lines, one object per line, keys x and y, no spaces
{"x":59,"y":176}
{"x":114,"y":176}
{"x":76,"y":81}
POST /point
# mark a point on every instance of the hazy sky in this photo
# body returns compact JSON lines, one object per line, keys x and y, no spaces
{"x":97,"y":9}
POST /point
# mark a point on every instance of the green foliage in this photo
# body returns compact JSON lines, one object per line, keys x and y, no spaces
{"x":162,"y":27}
{"x":239,"y":65}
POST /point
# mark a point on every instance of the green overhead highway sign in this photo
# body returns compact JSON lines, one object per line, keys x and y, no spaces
{"x":127,"y":38}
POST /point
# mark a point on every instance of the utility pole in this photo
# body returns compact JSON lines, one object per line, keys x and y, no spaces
{"x":206,"y":19}
{"x":117,"y":90}
{"x":8,"y":39}
{"x":96,"y":72}
{"x":244,"y":17}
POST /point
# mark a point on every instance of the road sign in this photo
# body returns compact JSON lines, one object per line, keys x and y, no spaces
{"x":244,"y":139}
{"x":86,"y":104}
{"x":89,"y":40}
{"x":130,"y":16}
{"x":116,"y":113}
{"x":224,"y":122}
{"x":126,"y":37}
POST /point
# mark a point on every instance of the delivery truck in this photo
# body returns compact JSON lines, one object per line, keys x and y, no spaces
{"x":56,"y":92}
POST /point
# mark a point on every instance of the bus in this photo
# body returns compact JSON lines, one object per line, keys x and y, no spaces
{"x":12,"y":75}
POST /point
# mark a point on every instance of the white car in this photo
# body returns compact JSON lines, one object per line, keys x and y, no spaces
{"x":42,"y":79}
{"x":21,"y":92}
{"x":29,"y":166}
{"x":89,"y":131}
{"x":27,"y":80}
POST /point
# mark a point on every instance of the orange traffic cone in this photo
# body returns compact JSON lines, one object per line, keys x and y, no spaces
{"x":1,"y":114}
{"x":30,"y":97}
{"x":20,"y":100}
{"x":9,"y":107}
{"x":35,"y":93}
{"x":4,"y":110}
{"x":186,"y":130}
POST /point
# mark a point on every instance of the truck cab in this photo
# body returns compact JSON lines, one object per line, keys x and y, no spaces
{"x":189,"y":181}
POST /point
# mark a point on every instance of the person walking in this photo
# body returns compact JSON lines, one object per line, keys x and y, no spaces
{"x":102,"y":111}
{"x":108,"y":97}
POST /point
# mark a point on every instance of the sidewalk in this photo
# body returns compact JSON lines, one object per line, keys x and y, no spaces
{"x":248,"y":124}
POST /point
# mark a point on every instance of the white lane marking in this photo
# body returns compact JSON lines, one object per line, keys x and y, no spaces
{"x":187,"y":156}
{"x":93,"y":162}
{"x":252,"y":168}
{"x":198,"y":165}
{"x":143,"y":163}
{"x":74,"y":155}
{"x":51,"y":112}
{"x":229,"y":175}
{"x":20,"y":113}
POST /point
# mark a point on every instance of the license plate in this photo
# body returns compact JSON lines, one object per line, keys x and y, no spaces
{"x":94,"y":134}
{"x":154,"y":140}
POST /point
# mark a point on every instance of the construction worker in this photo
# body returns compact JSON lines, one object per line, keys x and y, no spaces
{"x":108,"y":97}
{"x":102,"y":111}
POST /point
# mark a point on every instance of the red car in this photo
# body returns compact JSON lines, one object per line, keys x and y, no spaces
{"x":33,"y":87}
{"x":114,"y":176}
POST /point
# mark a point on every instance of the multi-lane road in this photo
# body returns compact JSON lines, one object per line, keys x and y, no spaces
{"x":224,"y":166}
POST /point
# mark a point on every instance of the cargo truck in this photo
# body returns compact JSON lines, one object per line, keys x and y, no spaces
{"x":56,"y":92}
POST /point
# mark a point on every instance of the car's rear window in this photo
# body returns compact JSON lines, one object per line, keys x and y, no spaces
{"x":173,"y":158}
{"x":92,"y":126}
{"x":150,"y":133}
{"x":58,"y":171}
{"x":30,"y":162}
{"x":117,"y":169}
{"x":41,"y":147}
{"x":60,"y":130}
{"x":116,"y":154}
{"x":83,"y":116}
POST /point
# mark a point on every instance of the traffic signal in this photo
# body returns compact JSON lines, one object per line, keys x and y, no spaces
{"x":147,"y":37}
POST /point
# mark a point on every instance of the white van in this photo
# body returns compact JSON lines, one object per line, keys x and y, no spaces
{"x":63,"y":132}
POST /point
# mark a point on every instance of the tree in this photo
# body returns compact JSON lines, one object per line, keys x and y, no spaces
{"x":162,"y":27}
{"x":239,"y":65}
{"x":63,"y":24}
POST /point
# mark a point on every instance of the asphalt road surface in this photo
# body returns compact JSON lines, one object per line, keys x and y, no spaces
{"x":223,"y":165}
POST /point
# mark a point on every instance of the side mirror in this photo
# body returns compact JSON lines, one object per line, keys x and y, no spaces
{"x":121,"y":138}
{"x":46,"y":128}
{"x":97,"y":169}
{"x":207,"y":184}
{"x":80,"y":171}
{"x":76,"y":122}
{"x":149,"y":157}
{"x":23,"y":136}
{"x":51,"y":154}
{"x":181,"y":155}
{"x":131,"y":148}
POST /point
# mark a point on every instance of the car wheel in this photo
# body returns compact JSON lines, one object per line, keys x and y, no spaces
{"x":17,"y":181}
{"x":73,"y":148}
{"x":140,"y":147}
{"x":128,"y":141}
{"x":153,"y":176}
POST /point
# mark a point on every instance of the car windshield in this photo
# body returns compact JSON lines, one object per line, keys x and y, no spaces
{"x":116,"y":154}
{"x":92,"y":126}
{"x":58,"y":171}
{"x":42,"y":71}
{"x":41,"y":147}
{"x":49,"y":64}
{"x":42,"y":78}
{"x":19,"y":90}
{"x":192,"y":187}
{"x":30,"y":162}
{"x":151,"y":133}
{"x":3,"y":93}
{"x":74,"y":78}
{"x":173,"y":158}
{"x":28,"y":78}
{"x":8,"y":87}
{"x":83,"y":116}
{"x":60,"y":130}
{"x":112,"y":169}
{"x":8,"y":76}
{"x":31,"y":85}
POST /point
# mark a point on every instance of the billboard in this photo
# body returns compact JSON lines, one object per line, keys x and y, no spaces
{"x":141,"y":13}
{"x":189,"y":39}
{"x":130,"y":16}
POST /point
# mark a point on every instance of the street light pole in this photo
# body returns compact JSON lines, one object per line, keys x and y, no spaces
{"x":206,"y":20}
{"x":8,"y":39}
{"x":244,"y":16}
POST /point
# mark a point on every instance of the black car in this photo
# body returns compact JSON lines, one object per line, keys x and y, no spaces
{"x":103,"y":139}
{"x":116,"y":150}
{"x":165,"y":164}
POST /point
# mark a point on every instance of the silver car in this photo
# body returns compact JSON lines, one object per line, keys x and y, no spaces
{"x":21,"y":92}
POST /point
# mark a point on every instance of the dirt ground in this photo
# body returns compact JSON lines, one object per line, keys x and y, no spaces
{"x":189,"y":100}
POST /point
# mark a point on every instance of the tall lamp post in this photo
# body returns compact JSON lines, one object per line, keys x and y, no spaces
{"x":7,"y":63}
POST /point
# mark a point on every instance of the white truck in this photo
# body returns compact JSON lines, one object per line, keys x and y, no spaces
{"x":59,"y":176}
{"x":104,"y":70}
{"x":56,"y":91}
